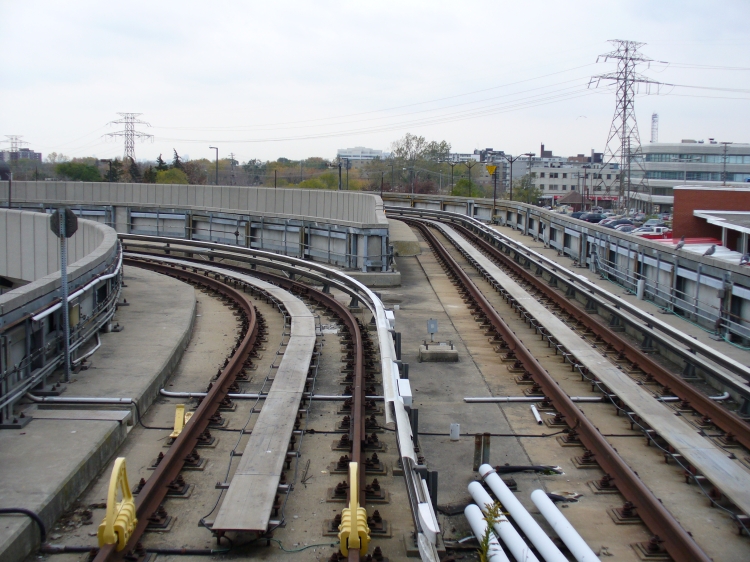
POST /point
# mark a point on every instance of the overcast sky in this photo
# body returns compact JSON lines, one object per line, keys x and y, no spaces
{"x":298,"y":79}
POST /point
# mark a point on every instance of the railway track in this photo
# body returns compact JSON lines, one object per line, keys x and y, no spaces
{"x":228,"y":283}
{"x":676,"y":541}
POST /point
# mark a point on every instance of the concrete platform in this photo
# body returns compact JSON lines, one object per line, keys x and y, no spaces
{"x":45,"y":466}
{"x":403,"y":239}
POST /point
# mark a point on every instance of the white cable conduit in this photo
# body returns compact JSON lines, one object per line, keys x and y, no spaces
{"x":322,"y":397}
{"x":592,"y":399}
{"x":577,"y":546}
{"x":42,"y":315}
{"x":523,"y":518}
{"x":479,"y":526}
{"x":504,"y":528}
{"x":537,"y":417}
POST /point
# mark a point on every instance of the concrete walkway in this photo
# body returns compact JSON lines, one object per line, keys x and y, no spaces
{"x":677,"y":322}
{"x":45,"y":466}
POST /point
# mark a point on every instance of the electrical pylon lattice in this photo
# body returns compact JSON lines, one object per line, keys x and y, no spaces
{"x":130,"y":120}
{"x":624,"y":142}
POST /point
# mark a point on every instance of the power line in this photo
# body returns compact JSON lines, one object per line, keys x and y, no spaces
{"x":130,"y":120}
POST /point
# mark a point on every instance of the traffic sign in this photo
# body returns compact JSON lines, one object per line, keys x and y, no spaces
{"x":490,"y":169}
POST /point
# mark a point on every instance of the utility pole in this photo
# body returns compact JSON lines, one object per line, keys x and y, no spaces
{"x":382,"y":176}
{"x":724,"y":161}
{"x":624,"y":141}
{"x":130,"y":120}
{"x":510,"y":161}
{"x":232,"y":180}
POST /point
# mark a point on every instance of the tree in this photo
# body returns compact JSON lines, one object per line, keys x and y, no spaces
{"x":173,"y":175}
{"x":176,"y":162}
{"x":195,"y":173}
{"x":114,"y":172}
{"x":55,"y":158}
{"x":149,"y":176}
{"x":524,"y":190}
{"x":465,"y":189}
{"x":134,"y":171}
{"x":412,"y":147}
{"x":78,"y":171}
{"x":161,"y":165}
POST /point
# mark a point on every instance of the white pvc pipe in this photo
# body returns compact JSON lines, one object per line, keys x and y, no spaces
{"x":79,"y":399}
{"x":322,"y":397}
{"x":523,"y":518}
{"x":537,"y":417}
{"x":80,"y":291}
{"x":577,"y":546}
{"x":504,"y":399}
{"x":575,"y":543}
{"x":504,"y":528}
{"x":479,"y":526}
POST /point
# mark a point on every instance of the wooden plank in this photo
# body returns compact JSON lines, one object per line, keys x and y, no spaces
{"x":726,"y":474}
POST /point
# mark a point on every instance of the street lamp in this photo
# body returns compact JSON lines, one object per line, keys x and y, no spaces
{"x":473,"y":163}
{"x":510,"y":160}
{"x":332,"y":166}
{"x":217,"y":163}
{"x":452,"y":164}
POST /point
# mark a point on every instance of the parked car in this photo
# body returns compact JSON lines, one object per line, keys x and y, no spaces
{"x":653,"y":232}
{"x":608,"y":214}
{"x":617,"y":222}
{"x":592,"y":217}
{"x":654,"y":222}
{"x":665,"y":217}
{"x":577,"y":214}
{"x":639,"y":217}
{"x":625,"y":228}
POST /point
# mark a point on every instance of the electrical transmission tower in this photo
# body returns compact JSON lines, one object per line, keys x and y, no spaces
{"x":15,"y":142}
{"x":654,"y":127}
{"x":624,"y":142}
{"x":232,"y":178}
{"x":130,"y":120}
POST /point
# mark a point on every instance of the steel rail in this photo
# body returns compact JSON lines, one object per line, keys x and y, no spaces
{"x":155,"y":489}
{"x":721,"y":417}
{"x":678,"y":543}
{"x":357,"y":431}
{"x":395,"y":412}
{"x":657,"y":329}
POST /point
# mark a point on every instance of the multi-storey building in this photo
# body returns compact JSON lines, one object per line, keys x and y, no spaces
{"x":20,"y":154}
{"x":689,"y":163}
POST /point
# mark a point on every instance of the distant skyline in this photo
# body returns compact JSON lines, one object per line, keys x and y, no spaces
{"x":303,"y":79}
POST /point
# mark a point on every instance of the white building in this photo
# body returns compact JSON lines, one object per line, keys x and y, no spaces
{"x":359,"y":153}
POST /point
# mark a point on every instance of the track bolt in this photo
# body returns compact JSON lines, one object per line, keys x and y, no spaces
{"x":139,"y":487}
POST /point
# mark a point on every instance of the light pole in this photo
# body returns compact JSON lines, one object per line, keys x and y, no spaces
{"x":510,"y":160}
{"x":217,"y":163}
{"x":473,"y":163}
{"x":452,"y":165}
{"x":492,"y":169}
{"x":586,"y":168}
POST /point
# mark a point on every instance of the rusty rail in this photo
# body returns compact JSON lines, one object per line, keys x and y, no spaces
{"x":154,"y":491}
{"x":720,"y":416}
{"x":678,"y":543}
